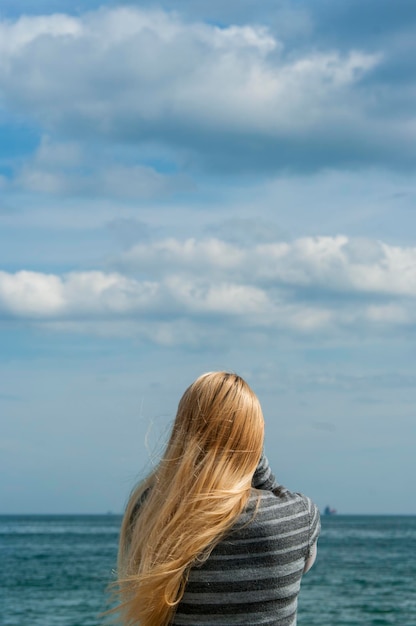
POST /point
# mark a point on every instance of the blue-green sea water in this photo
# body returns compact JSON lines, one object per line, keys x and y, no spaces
{"x":54,"y":571}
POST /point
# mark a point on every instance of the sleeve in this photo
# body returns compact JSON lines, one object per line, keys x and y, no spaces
{"x":314,"y":523}
{"x":263,"y":477}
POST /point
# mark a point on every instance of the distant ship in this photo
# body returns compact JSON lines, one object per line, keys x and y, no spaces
{"x":329,"y":511}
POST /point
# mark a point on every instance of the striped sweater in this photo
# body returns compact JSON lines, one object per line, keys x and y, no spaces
{"x":253,"y":575}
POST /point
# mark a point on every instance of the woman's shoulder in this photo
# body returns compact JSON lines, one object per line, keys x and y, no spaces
{"x":280,"y":504}
{"x":280,"y":495}
{"x":284,"y":510}
{"x":274,"y":518}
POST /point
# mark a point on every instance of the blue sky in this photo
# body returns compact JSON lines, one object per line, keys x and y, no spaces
{"x":193,"y":186}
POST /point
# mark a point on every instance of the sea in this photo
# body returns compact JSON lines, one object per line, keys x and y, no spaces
{"x":54,"y":571}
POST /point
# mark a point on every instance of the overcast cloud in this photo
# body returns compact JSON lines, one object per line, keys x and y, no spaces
{"x":225,"y":97}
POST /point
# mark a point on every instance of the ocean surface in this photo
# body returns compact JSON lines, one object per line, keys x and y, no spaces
{"x":54,"y":571}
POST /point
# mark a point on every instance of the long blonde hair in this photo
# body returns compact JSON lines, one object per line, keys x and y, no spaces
{"x":176,"y":516}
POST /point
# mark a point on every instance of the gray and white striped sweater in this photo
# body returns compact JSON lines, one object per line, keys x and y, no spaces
{"x":253,"y":575}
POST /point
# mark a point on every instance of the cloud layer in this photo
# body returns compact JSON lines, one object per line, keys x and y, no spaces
{"x":310,"y":284}
{"x":229,"y":98}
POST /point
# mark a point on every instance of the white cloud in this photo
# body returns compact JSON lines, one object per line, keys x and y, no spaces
{"x":69,"y":168}
{"x":259,"y":287}
{"x":133,"y":75}
{"x":191,"y":253}
{"x":118,"y":62}
{"x":35,"y":295}
{"x":16,"y":37}
{"x":336,"y":264}
{"x":30,"y":294}
{"x":224,"y":298}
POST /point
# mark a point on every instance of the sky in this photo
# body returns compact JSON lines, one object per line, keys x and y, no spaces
{"x":196,"y":186}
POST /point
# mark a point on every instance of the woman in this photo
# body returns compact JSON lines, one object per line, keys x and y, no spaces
{"x":210,"y":537}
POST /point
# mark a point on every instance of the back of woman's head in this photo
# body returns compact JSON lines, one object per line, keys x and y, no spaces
{"x":219,"y":422}
{"x":193,"y":497}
